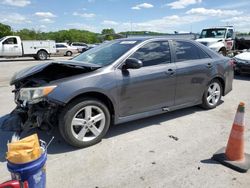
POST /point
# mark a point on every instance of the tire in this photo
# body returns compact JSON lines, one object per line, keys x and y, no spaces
{"x":212,"y":94}
{"x":75,"y":126}
{"x":69,"y":53}
{"x":223,"y":51}
{"x":42,"y":55}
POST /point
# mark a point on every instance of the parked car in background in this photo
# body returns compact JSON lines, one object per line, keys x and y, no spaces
{"x":242,"y":63}
{"x":65,"y":49}
{"x":13,"y":46}
{"x":81,"y":47}
{"x":116,"y":82}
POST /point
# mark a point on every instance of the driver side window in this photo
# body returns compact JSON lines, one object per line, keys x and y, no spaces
{"x":10,"y":41}
{"x":153,"y":53}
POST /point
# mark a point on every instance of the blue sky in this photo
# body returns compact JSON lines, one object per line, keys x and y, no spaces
{"x":125,"y":15}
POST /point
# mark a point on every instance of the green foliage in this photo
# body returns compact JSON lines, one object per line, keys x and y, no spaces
{"x":72,"y":35}
{"x":108,"y":37}
{"x":4,"y":30}
{"x":108,"y":31}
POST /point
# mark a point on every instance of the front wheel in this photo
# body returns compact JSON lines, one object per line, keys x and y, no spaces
{"x":84,"y":122}
{"x":212,"y":94}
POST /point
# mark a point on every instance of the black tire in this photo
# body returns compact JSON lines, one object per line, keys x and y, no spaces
{"x":206,"y":103}
{"x":42,"y":55}
{"x":70,"y":111}
{"x":69,"y":53}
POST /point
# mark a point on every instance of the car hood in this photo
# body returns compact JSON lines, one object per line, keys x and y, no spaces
{"x":243,"y":56}
{"x":30,"y":71}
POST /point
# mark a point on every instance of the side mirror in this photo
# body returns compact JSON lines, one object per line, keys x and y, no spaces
{"x":132,"y":63}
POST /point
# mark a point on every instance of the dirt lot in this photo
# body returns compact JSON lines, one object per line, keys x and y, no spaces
{"x":143,"y":153}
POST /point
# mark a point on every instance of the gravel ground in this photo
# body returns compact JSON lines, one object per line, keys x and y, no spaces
{"x":169,"y":150}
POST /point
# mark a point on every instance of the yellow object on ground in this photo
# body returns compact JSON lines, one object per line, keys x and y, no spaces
{"x":25,"y":150}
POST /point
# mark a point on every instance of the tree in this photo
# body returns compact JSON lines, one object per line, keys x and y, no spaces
{"x":109,"y":31}
{"x":4,"y":30}
{"x":108,"y":37}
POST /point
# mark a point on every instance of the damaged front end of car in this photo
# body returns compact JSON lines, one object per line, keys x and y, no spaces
{"x":32,"y":88}
{"x":33,"y":110}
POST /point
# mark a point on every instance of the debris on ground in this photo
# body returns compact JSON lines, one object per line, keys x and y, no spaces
{"x":153,"y":163}
{"x":174,"y":137}
{"x":142,"y":178}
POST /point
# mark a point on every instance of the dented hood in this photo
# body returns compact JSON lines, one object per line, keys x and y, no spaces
{"x":38,"y":68}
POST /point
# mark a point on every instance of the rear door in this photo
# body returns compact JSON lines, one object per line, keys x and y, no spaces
{"x":150,"y":87}
{"x":193,"y":70}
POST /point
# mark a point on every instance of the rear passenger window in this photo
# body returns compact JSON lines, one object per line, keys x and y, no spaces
{"x":153,"y":53}
{"x":187,"y":51}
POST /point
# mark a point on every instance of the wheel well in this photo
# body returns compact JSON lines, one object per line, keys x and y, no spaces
{"x":223,"y":49}
{"x":222,"y":84}
{"x":101,"y":97}
{"x":42,"y":50}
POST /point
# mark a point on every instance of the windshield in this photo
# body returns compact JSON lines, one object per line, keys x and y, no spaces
{"x":2,"y":39}
{"x":213,"y":33}
{"x":106,"y":53}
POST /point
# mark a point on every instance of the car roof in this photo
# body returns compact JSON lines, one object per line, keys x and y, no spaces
{"x":141,"y":39}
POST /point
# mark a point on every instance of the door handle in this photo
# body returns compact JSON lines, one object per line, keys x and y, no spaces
{"x":209,"y":65}
{"x":170,"y":72}
{"x":15,"y":46}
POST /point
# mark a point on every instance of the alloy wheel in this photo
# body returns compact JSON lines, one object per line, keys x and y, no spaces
{"x":88,"y":123}
{"x":213,"y":94}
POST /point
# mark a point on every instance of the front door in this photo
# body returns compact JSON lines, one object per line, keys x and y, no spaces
{"x":11,"y":48}
{"x":151,"y":87}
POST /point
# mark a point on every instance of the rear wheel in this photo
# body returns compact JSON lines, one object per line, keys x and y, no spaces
{"x":84,"y":122}
{"x":69,"y":53}
{"x":212,"y":94}
{"x":42,"y":55}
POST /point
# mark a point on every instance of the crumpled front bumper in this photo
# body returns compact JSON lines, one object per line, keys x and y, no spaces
{"x":37,"y":115}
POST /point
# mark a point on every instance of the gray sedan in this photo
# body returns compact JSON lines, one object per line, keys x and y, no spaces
{"x":117,"y":82}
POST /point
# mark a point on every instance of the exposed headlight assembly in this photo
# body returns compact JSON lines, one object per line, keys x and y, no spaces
{"x":35,"y":95}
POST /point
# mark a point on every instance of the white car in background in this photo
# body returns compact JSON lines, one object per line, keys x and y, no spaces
{"x":81,"y":47}
{"x":65,"y":49}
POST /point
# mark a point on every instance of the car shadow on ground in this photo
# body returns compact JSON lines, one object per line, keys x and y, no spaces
{"x":245,"y":77}
{"x":58,"y":145}
{"x":117,"y":130}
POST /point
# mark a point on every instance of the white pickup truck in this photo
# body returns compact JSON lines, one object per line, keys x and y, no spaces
{"x":223,"y":40}
{"x":12,"y":46}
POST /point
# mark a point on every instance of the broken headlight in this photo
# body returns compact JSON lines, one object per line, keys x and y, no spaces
{"x":35,"y":95}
